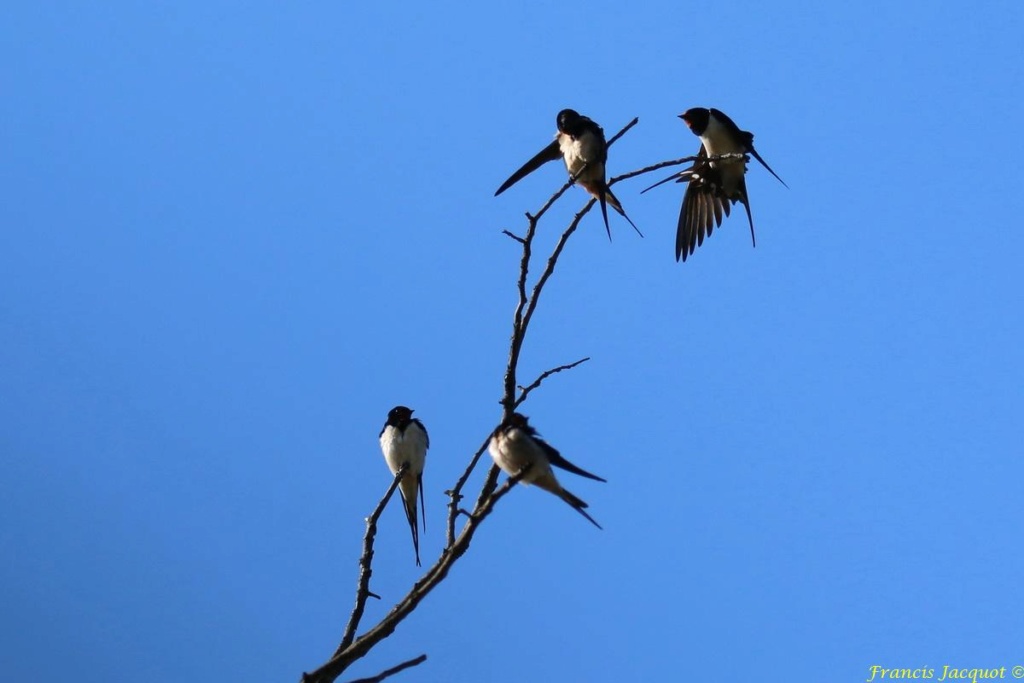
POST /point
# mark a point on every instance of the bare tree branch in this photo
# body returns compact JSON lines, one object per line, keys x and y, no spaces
{"x":353,"y":648}
{"x":543,"y":376}
{"x":675,"y":162}
{"x":329,"y":671}
{"x":490,"y":481}
{"x":455,"y":495}
{"x":393,"y":670}
{"x":611,"y":141}
{"x":549,"y":269}
{"x":365,"y":562}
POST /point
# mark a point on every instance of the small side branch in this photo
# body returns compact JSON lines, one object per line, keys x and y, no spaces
{"x":455,"y":495}
{"x":544,"y":375}
{"x":552,"y":261}
{"x":489,"y":496}
{"x":636,"y":120}
{"x":416,"y":661}
{"x":675,"y":162}
{"x":490,"y":481}
{"x":365,"y":564}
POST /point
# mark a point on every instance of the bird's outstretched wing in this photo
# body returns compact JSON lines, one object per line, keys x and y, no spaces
{"x":549,"y":153}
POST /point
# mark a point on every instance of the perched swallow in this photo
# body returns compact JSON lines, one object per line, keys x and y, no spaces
{"x":515,"y":444}
{"x":404,"y":440}
{"x":579,"y":142}
{"x":713,"y":184}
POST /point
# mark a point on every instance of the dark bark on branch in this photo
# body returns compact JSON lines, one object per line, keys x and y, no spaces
{"x":434,"y":575}
{"x":673,"y":162}
{"x":393,"y":670}
{"x":365,"y":563}
{"x":455,"y":495}
{"x":543,"y":376}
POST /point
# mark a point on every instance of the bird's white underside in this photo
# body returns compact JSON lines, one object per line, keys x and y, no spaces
{"x":718,"y":140}
{"x":577,"y":152}
{"x":514,"y":449}
{"x":399,"y":448}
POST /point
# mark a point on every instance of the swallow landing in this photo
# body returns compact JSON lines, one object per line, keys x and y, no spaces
{"x":713,"y":184}
{"x":580,"y":143}
{"x":404,"y":440}
{"x":515,"y":445}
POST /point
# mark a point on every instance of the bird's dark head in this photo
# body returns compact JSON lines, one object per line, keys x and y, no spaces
{"x":696,"y":119}
{"x":399,"y":415}
{"x":567,"y":118}
{"x":518,"y":420}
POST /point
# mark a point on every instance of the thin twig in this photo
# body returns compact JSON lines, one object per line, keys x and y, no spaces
{"x":490,"y":482}
{"x":558,"y":193}
{"x":552,"y":260}
{"x":455,"y":495}
{"x":365,"y":562}
{"x":515,"y":343}
{"x":393,"y":670}
{"x":674,"y":162}
{"x":636,"y":120}
{"x":543,"y":376}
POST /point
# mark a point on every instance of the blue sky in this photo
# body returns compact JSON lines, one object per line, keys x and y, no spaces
{"x":235,"y":235}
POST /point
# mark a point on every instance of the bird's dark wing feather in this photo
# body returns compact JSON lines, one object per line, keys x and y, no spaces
{"x":426,"y":436}
{"x":410,"y":515}
{"x":423,"y":509}
{"x":549,"y":153}
{"x":679,"y":177}
{"x":702,"y":207}
{"x":748,"y":139}
{"x":556,"y":459}
{"x":578,"y":506}
{"x":614,"y":202}
{"x":750,"y":148}
{"x":746,"y":205}
{"x":729,"y":124}
{"x":602,"y":198}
